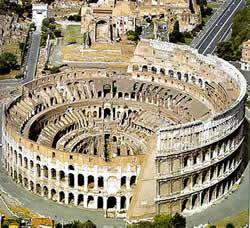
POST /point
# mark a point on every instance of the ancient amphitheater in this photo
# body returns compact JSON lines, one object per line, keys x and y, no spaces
{"x":167,"y":136}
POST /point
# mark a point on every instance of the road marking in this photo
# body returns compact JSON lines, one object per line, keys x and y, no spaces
{"x":222,"y":27}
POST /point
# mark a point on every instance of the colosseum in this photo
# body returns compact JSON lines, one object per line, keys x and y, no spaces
{"x":167,"y":136}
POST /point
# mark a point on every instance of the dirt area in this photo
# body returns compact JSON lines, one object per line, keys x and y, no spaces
{"x":119,"y":53}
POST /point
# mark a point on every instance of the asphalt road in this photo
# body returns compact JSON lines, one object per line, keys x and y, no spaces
{"x":220,"y":28}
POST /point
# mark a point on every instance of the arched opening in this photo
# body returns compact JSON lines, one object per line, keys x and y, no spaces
{"x":61,"y":197}
{"x":45,"y":171}
{"x":53,"y":194}
{"x":53,"y":173}
{"x":186,"y":77}
{"x":25,"y":163}
{"x":31,"y":186}
{"x":71,"y":180}
{"x":111,"y":202}
{"x":194,"y":201}
{"x":25,"y":180}
{"x":132,"y":180}
{"x":38,"y":169}
{"x":100,"y":202}
{"x":144,"y":68}
{"x":38,"y":189}
{"x":184,"y":205}
{"x":123,"y":202}
{"x":20,"y":179}
{"x":31,"y":164}
{"x":45,"y":191}
{"x":179,"y":75}
{"x":99,"y":94}
{"x":171,"y":73}
{"x":154,"y":70}
{"x":126,"y":96}
{"x":71,"y":198}
{"x":90,"y":182}
{"x":200,"y":83}
{"x":135,"y":67}
{"x":80,"y":180}
{"x":123,"y":181}
{"x":80,"y":200}
{"x":20,"y":160}
{"x":107,"y":112}
{"x":62,"y":175}
{"x":133,"y":95}
{"x":106,"y":89}
{"x":162,"y":71}
{"x":71,"y":167}
{"x":90,"y":202}
{"x":100,"y":182}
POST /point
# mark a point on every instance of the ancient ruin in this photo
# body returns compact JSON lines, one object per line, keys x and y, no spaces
{"x":166,"y":137}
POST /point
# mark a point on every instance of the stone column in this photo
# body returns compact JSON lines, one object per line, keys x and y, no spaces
{"x":105,"y":184}
{"x":85,"y":200}
{"x":66,"y":198}
{"x":128,"y":182}
{"x":85,"y":183}
{"x":118,"y":202}
{"x":95,"y":183}
{"x":76,"y":200}
{"x":105,"y":199}
{"x":95,"y":201}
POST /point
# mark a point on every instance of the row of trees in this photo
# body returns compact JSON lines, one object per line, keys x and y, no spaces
{"x":7,"y":7}
{"x":230,"y":50}
{"x":166,"y":221}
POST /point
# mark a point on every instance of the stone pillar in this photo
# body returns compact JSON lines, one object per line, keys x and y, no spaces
{"x":76,"y":200}
{"x":85,"y":200}
{"x":85,"y":183}
{"x":95,"y":183}
{"x":105,"y":199}
{"x":66,"y":198}
{"x":95,"y":201}
{"x":128,"y":182}
{"x":105,"y":184}
{"x":118,"y":202}
{"x":75,"y":181}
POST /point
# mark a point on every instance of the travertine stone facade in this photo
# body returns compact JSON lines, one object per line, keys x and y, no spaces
{"x":166,"y":137}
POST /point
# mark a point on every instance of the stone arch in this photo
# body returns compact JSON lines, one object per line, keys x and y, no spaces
{"x":90,"y":181}
{"x":120,"y":95}
{"x":80,"y":180}
{"x":90,"y":202}
{"x":111,"y":203}
{"x":61,"y":175}
{"x":194,"y":201}
{"x":61,"y":197}
{"x":31,"y":164}
{"x":186,"y":77}
{"x":193,"y":79}
{"x":171,"y":73}
{"x":135,"y":67}
{"x":71,"y":198}
{"x":200,"y":82}
{"x":71,"y":180}
{"x":25,"y":181}
{"x":184,"y":205}
{"x":162,"y":71}
{"x":53,"y":173}
{"x":100,"y":182}
{"x":25,"y":163}
{"x":80,"y":199}
{"x":123,"y":181}
{"x":144,"y":68}
{"x":123,"y":202}
{"x":45,"y":171}
{"x":38,"y":170}
{"x":132,"y":180}
{"x":45,"y":191}
{"x":179,"y":75}
{"x":154,"y":70}
{"x":53,"y":194}
{"x":107,"y":112}
{"x":31,"y":185}
{"x":38,"y":189}
{"x":20,"y":179}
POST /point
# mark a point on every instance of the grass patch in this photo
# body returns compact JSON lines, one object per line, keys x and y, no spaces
{"x":188,"y":41}
{"x":238,"y":220}
{"x":73,"y":33}
{"x":24,"y":212}
{"x":214,"y":5}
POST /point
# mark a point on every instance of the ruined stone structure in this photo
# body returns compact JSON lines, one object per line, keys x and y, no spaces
{"x":166,"y":137}
{"x":107,"y":21}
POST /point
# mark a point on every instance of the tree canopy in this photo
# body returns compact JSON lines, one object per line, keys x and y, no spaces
{"x":8,"y":62}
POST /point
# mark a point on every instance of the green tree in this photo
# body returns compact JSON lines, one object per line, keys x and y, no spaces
{"x":8,"y":62}
{"x":229,"y":225}
{"x":165,"y":221}
{"x":132,"y":35}
{"x":179,"y":221}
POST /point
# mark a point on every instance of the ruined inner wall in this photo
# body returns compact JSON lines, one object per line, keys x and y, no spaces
{"x":88,"y":138}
